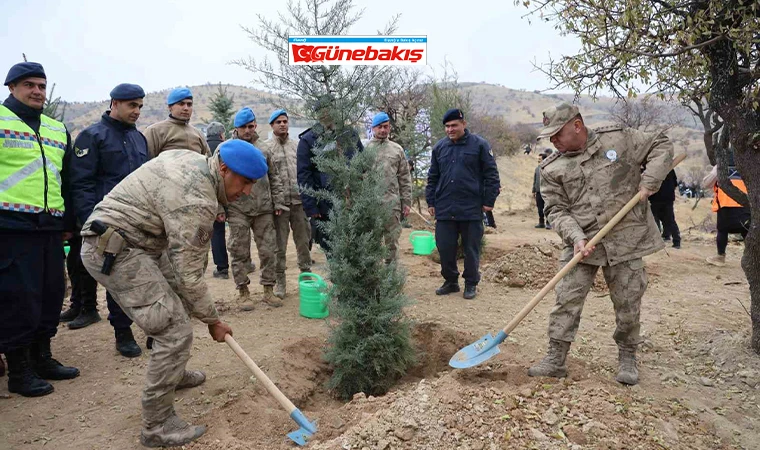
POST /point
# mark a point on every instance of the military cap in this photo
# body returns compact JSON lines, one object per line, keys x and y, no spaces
{"x":379,"y":118}
{"x":177,"y":95}
{"x":453,"y":114}
{"x":243,"y":158}
{"x":126,"y":91}
{"x":556,"y":117}
{"x":244,"y":116}
{"x":25,"y":70}
{"x":214,"y":129}
{"x":276,"y":114}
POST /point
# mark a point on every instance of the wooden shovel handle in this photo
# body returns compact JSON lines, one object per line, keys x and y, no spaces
{"x":261,"y":376}
{"x":578,"y":256}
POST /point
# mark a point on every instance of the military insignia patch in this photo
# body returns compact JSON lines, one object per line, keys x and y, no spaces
{"x":202,"y":237}
{"x":611,"y":155}
{"x":80,"y":152}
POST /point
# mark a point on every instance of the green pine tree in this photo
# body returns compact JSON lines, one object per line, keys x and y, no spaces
{"x":52,"y":106}
{"x":222,"y":108}
{"x":369,"y":346}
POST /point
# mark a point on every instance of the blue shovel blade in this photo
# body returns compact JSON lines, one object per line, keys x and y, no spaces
{"x":307,"y":430}
{"x":479,"y":351}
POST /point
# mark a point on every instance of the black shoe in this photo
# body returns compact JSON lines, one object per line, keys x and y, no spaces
{"x":125,"y":343}
{"x":149,"y":343}
{"x":84,"y":319}
{"x":548,"y":227}
{"x":21,"y":378}
{"x":540,"y":225}
{"x":224,"y":274}
{"x":70,"y":314}
{"x":45,"y":366}
{"x":470,"y":291}
{"x":447,"y":288}
{"x":677,"y":245}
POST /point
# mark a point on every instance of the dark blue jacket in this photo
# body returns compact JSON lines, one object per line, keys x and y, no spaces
{"x":104,"y":154}
{"x":308,"y":174}
{"x":463,"y":178}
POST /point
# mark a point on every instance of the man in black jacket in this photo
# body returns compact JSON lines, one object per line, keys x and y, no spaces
{"x":215,"y":136}
{"x":309,"y":176}
{"x":33,"y":189}
{"x":662,"y":209}
{"x":463,"y":182}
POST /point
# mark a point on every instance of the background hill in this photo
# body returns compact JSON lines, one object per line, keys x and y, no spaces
{"x":516,"y":106}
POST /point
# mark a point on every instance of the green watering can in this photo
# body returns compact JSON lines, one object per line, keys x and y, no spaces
{"x":423,"y":242}
{"x":312,"y":291}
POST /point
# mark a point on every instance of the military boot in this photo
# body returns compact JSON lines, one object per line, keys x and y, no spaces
{"x":244,"y":298}
{"x":172,"y":432}
{"x":191,"y":379}
{"x":70,"y":314}
{"x":269,"y":298}
{"x":279,"y":288}
{"x":45,"y":366}
{"x":125,"y":343}
{"x":21,"y":378}
{"x":553,"y":364}
{"x":628,"y":372}
{"x":447,"y":287}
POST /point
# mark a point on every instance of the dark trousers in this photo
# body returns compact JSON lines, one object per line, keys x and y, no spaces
{"x":731,"y":220}
{"x":663,"y":212}
{"x":447,"y":234}
{"x":32,"y":287}
{"x":84,"y":288}
{"x":219,"y":247}
{"x":540,"y":205}
{"x":318,"y":235}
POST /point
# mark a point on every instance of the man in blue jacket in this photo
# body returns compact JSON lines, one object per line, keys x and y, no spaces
{"x":104,"y":154}
{"x":307,"y":173}
{"x":463,"y":183}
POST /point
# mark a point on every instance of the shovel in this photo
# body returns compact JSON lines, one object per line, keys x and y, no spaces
{"x":488,"y":346}
{"x":307,"y":428}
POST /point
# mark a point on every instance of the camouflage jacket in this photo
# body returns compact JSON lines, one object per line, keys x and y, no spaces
{"x":584,"y":191}
{"x":283,"y":155}
{"x":173,"y":134}
{"x":266,"y":194}
{"x":391,"y":162}
{"x":169,"y":205}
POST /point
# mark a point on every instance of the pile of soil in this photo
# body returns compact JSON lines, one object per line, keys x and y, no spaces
{"x":531,"y":266}
{"x":503,"y":408}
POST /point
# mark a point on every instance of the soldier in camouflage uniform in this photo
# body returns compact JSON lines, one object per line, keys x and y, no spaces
{"x":254,"y":212}
{"x":391,"y":162}
{"x":592,"y":176}
{"x":159,"y":222}
{"x":282,"y":152}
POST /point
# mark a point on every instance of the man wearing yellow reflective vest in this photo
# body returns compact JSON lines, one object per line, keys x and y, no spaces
{"x":32,"y":226}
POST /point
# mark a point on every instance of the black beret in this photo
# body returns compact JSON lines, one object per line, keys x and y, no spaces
{"x":25,"y":70}
{"x":452,"y":114}
{"x":126,"y":91}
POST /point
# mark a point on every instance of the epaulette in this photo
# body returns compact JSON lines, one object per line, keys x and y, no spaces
{"x":608,"y":128}
{"x":551,"y":158}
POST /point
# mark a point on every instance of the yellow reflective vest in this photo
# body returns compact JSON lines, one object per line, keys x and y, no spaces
{"x":30,"y":165}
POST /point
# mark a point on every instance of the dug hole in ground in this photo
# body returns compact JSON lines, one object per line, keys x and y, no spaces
{"x":698,"y":385}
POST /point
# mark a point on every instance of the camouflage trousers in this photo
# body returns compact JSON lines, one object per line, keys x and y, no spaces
{"x":143,"y":284}
{"x":627,"y":282}
{"x":391,"y":236}
{"x":239,"y":246}
{"x":296,"y":220}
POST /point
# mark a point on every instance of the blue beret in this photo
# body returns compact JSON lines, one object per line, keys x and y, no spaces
{"x":126,"y":91}
{"x":243,"y":158}
{"x":24,"y":70}
{"x":379,"y":118}
{"x":178,"y":95}
{"x":244,"y":116}
{"x":276,"y":114}
{"x":452,"y":114}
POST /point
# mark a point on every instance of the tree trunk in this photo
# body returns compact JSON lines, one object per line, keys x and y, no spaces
{"x":749,"y":163}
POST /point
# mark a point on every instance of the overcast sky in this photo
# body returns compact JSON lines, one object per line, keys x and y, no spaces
{"x":89,"y":46}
